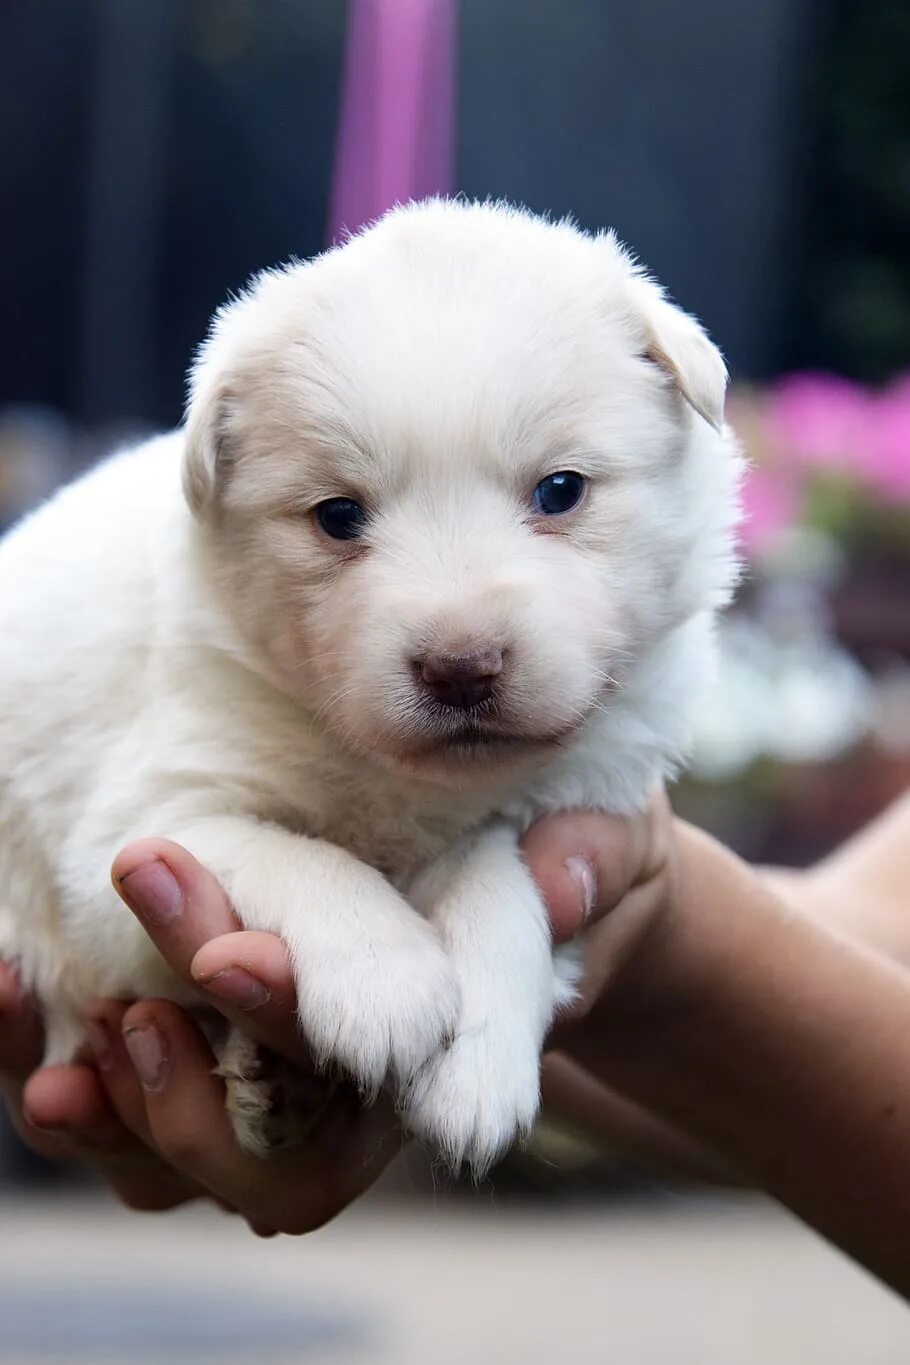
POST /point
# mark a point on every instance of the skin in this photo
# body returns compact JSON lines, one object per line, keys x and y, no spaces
{"x":775,"y":1041}
{"x":731,"y":1020}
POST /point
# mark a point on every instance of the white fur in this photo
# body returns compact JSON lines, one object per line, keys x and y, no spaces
{"x":239,"y":682}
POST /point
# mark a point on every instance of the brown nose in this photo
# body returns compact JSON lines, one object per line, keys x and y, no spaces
{"x":461,"y":680}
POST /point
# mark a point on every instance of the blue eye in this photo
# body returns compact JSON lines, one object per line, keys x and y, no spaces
{"x":559,"y":493}
{"x":341,"y":518}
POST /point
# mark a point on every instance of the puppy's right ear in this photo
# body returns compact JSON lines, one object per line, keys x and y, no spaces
{"x":206,"y":454}
{"x":679,"y":346}
{"x":673,"y":340}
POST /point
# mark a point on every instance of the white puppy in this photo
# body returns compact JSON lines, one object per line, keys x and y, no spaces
{"x":438,"y":550}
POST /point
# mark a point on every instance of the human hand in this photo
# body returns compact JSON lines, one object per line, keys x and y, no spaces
{"x":768,"y":1031}
{"x":623,"y":901}
{"x":63,"y":1113}
{"x":630,"y":863}
{"x":150,"y":1116}
{"x":607,"y":881}
{"x":137,"y":1138}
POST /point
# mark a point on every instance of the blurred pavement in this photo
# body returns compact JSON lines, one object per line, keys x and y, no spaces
{"x":671,"y":1280}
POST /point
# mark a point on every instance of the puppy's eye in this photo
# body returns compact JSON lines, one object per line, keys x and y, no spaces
{"x":559,"y":493}
{"x":341,"y":518}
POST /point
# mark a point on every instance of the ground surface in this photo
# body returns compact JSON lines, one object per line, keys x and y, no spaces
{"x":666,"y":1281}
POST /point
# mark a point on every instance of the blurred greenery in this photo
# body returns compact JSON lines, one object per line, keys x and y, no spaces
{"x":852,"y":301}
{"x":863,"y":525}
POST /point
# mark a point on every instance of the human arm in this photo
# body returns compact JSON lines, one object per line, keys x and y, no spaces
{"x":714,"y":1018}
{"x":862,"y":887}
{"x":751,"y":1028}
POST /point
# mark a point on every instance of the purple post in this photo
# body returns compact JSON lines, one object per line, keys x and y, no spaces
{"x":395,"y":132}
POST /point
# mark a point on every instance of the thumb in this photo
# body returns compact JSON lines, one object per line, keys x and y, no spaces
{"x":585,"y":862}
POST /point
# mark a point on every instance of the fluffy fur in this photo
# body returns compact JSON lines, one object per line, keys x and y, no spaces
{"x":186,"y":653}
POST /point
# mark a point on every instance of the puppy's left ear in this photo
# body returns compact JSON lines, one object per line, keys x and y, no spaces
{"x":205,"y":455}
{"x":679,"y":345}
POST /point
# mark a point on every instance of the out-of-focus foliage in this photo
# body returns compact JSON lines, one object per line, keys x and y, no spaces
{"x":852,"y":287}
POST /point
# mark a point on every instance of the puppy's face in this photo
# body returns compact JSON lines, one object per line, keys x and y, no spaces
{"x":447,"y":472}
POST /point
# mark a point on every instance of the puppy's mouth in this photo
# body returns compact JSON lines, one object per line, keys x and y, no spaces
{"x":473,"y":739}
{"x":443,"y":745}
{"x":471,"y":752}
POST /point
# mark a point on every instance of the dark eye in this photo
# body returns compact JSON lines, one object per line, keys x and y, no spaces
{"x":559,"y":493}
{"x":341,"y":518}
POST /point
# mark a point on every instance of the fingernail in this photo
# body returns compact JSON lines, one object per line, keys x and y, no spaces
{"x":148,"y":1055}
{"x":153,"y":892}
{"x":238,"y":987}
{"x":52,"y":1129}
{"x":582,"y":874}
{"x":99,"y":1040}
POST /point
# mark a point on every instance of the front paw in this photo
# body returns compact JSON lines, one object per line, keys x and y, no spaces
{"x":472,"y":1102}
{"x":272,"y":1104}
{"x":380,"y":1011}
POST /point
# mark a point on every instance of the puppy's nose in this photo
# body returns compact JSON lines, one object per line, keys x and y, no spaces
{"x":461,"y":680}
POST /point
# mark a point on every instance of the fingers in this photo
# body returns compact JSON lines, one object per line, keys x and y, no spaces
{"x":68,"y":1114}
{"x":585,"y":862}
{"x":69,"y":1102}
{"x":608,"y":876}
{"x":60,"y":1110}
{"x":169,"y":1095}
{"x":185,"y":911}
{"x":293,"y":1191}
{"x":116,"y":1071}
{"x":181,"y":1097}
{"x":135,"y":1168}
{"x":179,"y":902}
{"x":97,"y":1117}
{"x":64,"y":1114}
{"x":247,"y":976}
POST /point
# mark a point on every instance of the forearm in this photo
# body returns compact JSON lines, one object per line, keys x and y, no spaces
{"x":862,"y":888}
{"x":781,"y":1046}
{"x":623,"y":1128}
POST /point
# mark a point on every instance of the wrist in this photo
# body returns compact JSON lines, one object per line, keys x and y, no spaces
{"x":677,"y":958}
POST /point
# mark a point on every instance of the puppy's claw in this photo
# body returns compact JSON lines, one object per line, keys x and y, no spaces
{"x":382,"y":1017}
{"x":272,"y":1104}
{"x":474,"y":1101}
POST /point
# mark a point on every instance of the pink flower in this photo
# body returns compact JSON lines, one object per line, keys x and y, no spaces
{"x":770,"y":505}
{"x":820,"y":420}
{"x":887,"y":468}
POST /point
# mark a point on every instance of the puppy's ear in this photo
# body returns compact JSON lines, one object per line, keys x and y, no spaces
{"x":206,"y":452}
{"x":678,"y":344}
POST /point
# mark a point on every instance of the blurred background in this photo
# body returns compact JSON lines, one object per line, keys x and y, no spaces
{"x":154,"y":153}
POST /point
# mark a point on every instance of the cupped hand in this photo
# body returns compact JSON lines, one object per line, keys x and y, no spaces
{"x":64,"y":1113}
{"x":149,"y":1114}
{"x":608,"y":882}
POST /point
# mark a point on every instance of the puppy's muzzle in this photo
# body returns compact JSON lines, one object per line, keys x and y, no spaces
{"x":460,"y":681}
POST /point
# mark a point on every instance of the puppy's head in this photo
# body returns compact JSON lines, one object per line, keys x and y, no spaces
{"x":459,"y":475}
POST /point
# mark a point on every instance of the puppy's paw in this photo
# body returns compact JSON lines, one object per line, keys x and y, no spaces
{"x":472,"y":1102}
{"x":381,"y":1010}
{"x":272,"y":1105}
{"x":568,"y":970}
